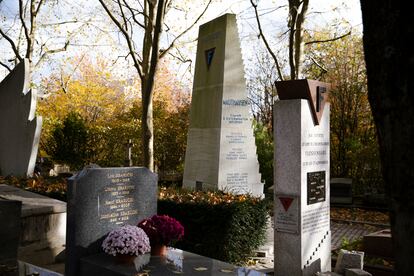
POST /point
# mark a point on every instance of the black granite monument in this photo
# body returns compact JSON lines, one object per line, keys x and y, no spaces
{"x":101,"y":199}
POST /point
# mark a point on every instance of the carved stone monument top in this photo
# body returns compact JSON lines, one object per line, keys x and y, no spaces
{"x":316,"y":92}
{"x":20,"y":128}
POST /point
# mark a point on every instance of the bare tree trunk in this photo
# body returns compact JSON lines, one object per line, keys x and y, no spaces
{"x":147,"y":128}
{"x":153,"y":12}
{"x":299,"y":44}
{"x":389,"y":57}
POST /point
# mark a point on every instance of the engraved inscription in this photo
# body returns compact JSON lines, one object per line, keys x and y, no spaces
{"x":316,"y":187}
{"x":236,"y":154}
{"x":236,"y":138}
{"x":315,"y":220}
{"x":286,"y":213}
{"x":235,"y":119}
{"x":237,"y":182}
{"x":316,"y":149}
{"x":116,"y":201}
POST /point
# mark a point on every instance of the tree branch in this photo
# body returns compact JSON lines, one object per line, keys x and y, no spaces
{"x":21,"y":15}
{"x":14,"y":48}
{"x":38,"y":7}
{"x":299,"y":37}
{"x":324,"y":70}
{"x":155,"y":45}
{"x":5,"y":66}
{"x":185,"y":31}
{"x":328,"y":40}
{"x":123,"y":15}
{"x":53,"y":51}
{"x":279,"y":71}
{"x":127,"y":38}
{"x":131,"y":10}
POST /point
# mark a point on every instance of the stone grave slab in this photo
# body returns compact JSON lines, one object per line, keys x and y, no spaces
{"x":101,"y":199}
{"x":221,"y":150}
{"x":43,"y":225}
{"x":176,"y":262}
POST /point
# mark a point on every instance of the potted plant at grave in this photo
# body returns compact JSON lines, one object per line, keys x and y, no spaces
{"x":162,"y":231}
{"x":126,"y":243}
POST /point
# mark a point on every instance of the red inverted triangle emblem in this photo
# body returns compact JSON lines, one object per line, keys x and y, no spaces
{"x":286,"y":202}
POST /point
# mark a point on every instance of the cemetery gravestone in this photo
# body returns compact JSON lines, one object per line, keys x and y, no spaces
{"x":379,"y":244}
{"x":302,"y":222}
{"x":341,"y":190}
{"x":101,"y":199}
{"x":20,"y":128}
{"x":42,"y":223}
{"x":221,"y":150}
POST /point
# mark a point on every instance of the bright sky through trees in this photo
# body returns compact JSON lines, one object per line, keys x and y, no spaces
{"x":99,"y":39}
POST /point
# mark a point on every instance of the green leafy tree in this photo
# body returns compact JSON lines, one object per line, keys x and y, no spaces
{"x":354,"y":149}
{"x":148,"y":18}
{"x":70,"y":140}
{"x":264,"y":144}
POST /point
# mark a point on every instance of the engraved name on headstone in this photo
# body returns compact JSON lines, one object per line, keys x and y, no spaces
{"x":101,"y":199}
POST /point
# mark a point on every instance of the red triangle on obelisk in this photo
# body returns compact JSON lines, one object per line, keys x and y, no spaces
{"x":286,"y":202}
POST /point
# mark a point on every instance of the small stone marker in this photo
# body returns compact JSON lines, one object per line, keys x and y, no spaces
{"x":101,"y":199}
{"x":302,"y":222}
{"x":19,"y":126}
{"x":349,"y":259}
{"x":379,"y":244}
{"x":221,"y":149}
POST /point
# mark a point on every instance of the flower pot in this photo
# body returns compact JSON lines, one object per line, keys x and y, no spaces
{"x":125,"y":258}
{"x":141,"y":261}
{"x":158,"y":250}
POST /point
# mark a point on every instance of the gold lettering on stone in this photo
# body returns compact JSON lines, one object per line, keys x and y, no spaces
{"x":117,"y":199}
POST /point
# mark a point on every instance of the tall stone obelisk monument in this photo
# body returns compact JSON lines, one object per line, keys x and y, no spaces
{"x":221,"y":150}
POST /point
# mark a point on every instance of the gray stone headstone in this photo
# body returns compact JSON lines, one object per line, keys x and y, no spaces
{"x":221,"y":149}
{"x":101,"y":199}
{"x":379,"y":244}
{"x":19,"y":126}
{"x":349,"y":259}
{"x":341,"y":190}
{"x":301,"y":173}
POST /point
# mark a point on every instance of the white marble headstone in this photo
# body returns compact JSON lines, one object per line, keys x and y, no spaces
{"x":302,"y":222}
{"x":221,"y":149}
{"x":19,"y":126}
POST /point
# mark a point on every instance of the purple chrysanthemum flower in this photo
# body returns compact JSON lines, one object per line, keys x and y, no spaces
{"x":162,"y":229}
{"x":127,"y":239}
